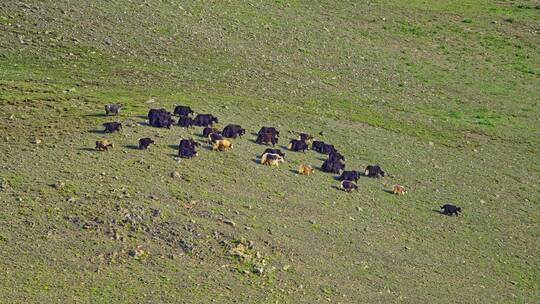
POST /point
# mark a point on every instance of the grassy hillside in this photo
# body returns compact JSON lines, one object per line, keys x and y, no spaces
{"x":442,"y":94}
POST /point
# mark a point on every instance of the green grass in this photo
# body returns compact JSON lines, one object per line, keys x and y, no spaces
{"x":443,"y":95}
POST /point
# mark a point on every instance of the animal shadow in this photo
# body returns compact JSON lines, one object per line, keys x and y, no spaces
{"x":337,"y":188}
{"x":96,"y":131}
{"x":97,"y":115}
{"x":318,"y":168}
{"x":388,"y":191}
{"x":437,"y":211}
{"x":282,"y":147}
{"x":132,"y":147}
{"x":87,"y":149}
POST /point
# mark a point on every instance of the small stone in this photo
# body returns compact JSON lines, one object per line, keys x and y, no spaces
{"x":36,"y":141}
{"x":322,"y":133}
{"x":358,"y":208}
{"x":229,"y":222}
{"x":71,"y":199}
{"x":313,"y":222}
{"x":154,"y":197}
{"x":258,"y":270}
{"x":12,"y":117}
{"x":59,"y":185}
{"x":431,"y":143}
{"x":286,"y":267}
{"x":176,"y":175}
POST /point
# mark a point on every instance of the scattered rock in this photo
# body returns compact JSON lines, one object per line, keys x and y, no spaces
{"x":151,"y":100}
{"x":322,"y":133}
{"x":59,"y":185}
{"x":176,"y":175}
{"x":229,"y":222}
{"x":313,"y":222}
{"x":12,"y":117}
{"x":286,"y":267}
{"x":258,"y":270}
{"x":137,"y":253}
{"x":431,"y":143}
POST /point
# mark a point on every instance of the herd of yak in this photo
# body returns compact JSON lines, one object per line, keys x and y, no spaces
{"x":161,"y":118}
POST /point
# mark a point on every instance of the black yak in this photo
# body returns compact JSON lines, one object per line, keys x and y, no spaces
{"x":374,"y":171}
{"x":332,"y":167}
{"x":111,"y":127}
{"x":450,"y":209}
{"x":232,"y":131}
{"x":298,"y":145}
{"x":112,"y":108}
{"x":350,"y":175}
{"x":182,"y":111}
{"x":348,"y":185}
{"x":145,"y":142}
{"x":205,"y":120}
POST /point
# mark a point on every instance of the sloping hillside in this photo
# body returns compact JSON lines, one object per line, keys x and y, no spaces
{"x":443,"y":96}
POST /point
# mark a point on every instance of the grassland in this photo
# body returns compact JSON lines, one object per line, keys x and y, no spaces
{"x":443,"y":95}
